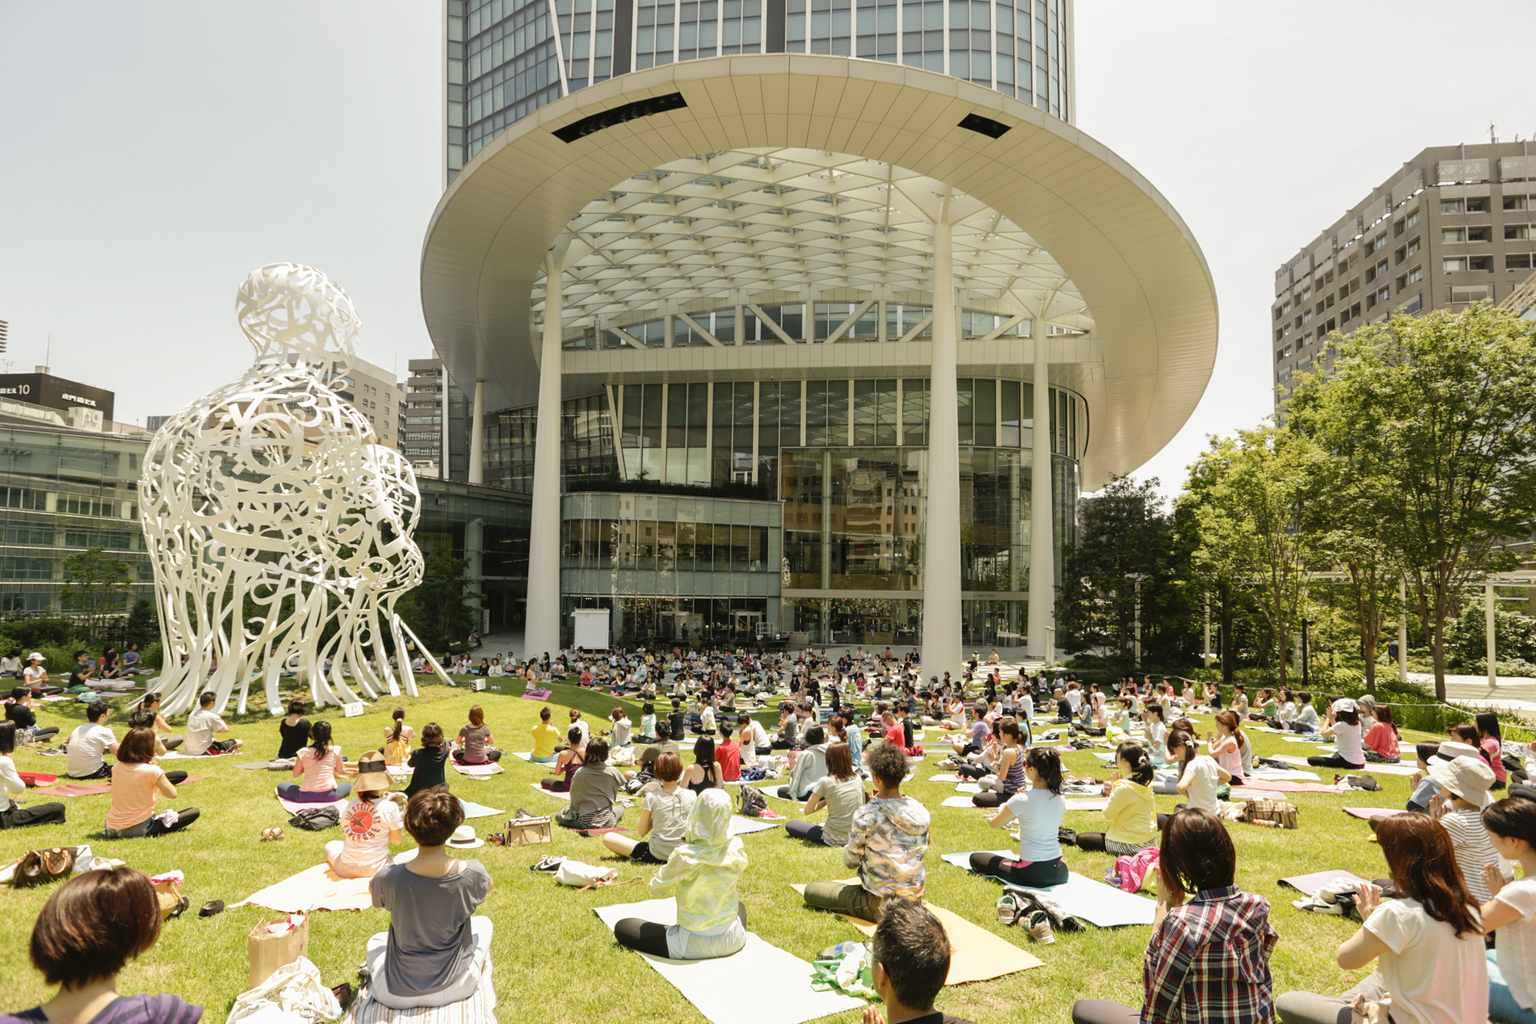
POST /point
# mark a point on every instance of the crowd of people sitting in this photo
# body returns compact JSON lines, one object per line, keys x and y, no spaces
{"x":1425,"y":927}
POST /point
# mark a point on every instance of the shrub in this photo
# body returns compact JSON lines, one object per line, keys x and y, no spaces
{"x":36,"y":634}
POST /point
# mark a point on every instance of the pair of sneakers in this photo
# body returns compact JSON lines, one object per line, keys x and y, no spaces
{"x":1011,"y":911}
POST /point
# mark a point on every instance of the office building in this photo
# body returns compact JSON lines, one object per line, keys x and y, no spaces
{"x":376,"y":394}
{"x":434,"y":422}
{"x":783,"y":328}
{"x":1455,"y":225}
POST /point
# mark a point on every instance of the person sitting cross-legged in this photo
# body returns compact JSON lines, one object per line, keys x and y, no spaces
{"x":703,"y":872}
{"x":886,"y":844}
{"x":436,"y":949}
{"x":1208,"y":959}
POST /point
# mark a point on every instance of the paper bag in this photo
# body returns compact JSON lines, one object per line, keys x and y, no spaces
{"x":269,"y":951}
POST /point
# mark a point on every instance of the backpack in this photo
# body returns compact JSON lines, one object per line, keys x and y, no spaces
{"x":1364,"y":782}
{"x":316,"y":819}
{"x":1131,"y":870}
{"x":753,"y":803}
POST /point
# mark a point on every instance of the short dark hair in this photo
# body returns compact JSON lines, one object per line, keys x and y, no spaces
{"x":663,"y":730}
{"x":93,"y":925}
{"x":1197,"y":852}
{"x":298,"y":706}
{"x":138,"y":747}
{"x":815,"y":734}
{"x":7,"y":737}
{"x":545,"y":714}
{"x":910,"y":943}
{"x":141,"y":716}
{"x":887,"y":763}
{"x":432,"y":815}
{"x":96,"y":710}
{"x":432,"y":735}
{"x":596,"y":753}
{"x":668,"y":767}
{"x":20,"y":692}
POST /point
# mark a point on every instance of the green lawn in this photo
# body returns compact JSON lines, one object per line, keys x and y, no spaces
{"x":552,"y":953}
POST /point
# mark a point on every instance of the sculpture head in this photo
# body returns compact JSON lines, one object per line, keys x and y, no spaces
{"x":289,"y":309}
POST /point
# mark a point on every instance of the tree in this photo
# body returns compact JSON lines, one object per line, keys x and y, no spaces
{"x":96,"y":586}
{"x":143,"y":626}
{"x":438,"y":610}
{"x":1250,"y":510}
{"x":1123,"y":532}
{"x":1432,"y":423}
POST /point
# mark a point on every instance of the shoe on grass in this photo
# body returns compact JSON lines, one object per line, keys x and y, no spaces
{"x":1040,"y":928}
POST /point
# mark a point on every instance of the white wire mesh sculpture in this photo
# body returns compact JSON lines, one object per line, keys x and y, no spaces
{"x":270,"y":513}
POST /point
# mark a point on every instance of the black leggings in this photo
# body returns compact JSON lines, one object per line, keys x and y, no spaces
{"x":176,"y":778}
{"x":651,"y":938}
{"x":1334,"y":761}
{"x":1091,"y":841}
{"x":803,"y":830}
{"x":971,"y":771}
{"x":1037,"y":875}
{"x":992,"y":798}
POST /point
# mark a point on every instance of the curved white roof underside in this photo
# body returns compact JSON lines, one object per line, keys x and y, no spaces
{"x":1098,"y":236}
{"x":712,"y":225}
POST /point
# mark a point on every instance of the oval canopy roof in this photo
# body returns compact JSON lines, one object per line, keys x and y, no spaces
{"x":1123,"y":252}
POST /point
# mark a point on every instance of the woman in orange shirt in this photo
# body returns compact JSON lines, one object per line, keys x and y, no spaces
{"x":136,"y":783}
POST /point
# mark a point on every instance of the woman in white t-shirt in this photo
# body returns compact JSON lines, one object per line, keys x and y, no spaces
{"x":1344,"y":729}
{"x":370,"y":824}
{"x":664,"y":819}
{"x":1511,"y":913}
{"x":1428,"y":945}
{"x":841,"y":792}
{"x":1200,"y":777}
{"x":1039,"y":809}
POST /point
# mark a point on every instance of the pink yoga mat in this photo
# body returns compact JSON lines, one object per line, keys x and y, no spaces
{"x":79,"y":789}
{"x":1287,"y":786}
{"x":1367,"y":813}
{"x":294,"y":806}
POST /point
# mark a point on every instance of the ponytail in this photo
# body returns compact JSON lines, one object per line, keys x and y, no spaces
{"x":1141,"y":765}
{"x":1047,"y":765}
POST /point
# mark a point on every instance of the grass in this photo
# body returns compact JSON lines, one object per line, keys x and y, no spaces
{"x":553,"y":957}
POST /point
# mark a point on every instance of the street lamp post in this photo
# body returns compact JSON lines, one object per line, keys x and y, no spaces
{"x":1138,"y":577}
{"x":1305,"y":622}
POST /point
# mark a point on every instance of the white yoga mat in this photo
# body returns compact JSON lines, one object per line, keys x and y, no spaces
{"x":946,"y":777}
{"x":968,"y":787}
{"x":714,"y":987}
{"x":474,"y":810}
{"x":957,"y":801}
{"x":741,"y":826}
{"x":1087,"y":803}
{"x":1082,"y":897}
{"x":558,"y":796}
{"x":476,"y":771}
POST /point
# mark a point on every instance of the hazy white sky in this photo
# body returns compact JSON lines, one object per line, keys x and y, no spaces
{"x":163,"y":152}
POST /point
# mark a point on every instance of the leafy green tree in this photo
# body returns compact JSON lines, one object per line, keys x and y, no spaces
{"x":1251,"y":517}
{"x":143,"y":626}
{"x":96,"y":586}
{"x":1431,"y":422}
{"x":1124,"y":532}
{"x":439,"y":610}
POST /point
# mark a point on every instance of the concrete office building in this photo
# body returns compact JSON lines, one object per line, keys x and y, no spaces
{"x":377,"y":395}
{"x":434,"y":422}
{"x":1455,"y":225}
{"x":784,"y":327}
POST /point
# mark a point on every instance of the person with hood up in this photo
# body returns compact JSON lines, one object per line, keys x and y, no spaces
{"x":886,"y":845}
{"x":703,"y":873}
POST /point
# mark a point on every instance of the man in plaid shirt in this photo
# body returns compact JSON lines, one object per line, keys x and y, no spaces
{"x":1208,"y":961}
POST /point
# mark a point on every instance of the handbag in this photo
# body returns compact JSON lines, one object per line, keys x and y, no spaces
{"x":172,"y":903}
{"x":527,"y":831}
{"x":583,"y":876}
{"x":316,"y":819}
{"x":275,"y":944}
{"x":1274,"y":813}
{"x":37,"y":867}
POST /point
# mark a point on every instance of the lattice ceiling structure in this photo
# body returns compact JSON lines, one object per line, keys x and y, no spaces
{"x":740,"y":222}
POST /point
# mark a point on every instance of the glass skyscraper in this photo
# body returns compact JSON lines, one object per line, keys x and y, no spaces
{"x":506,"y":58}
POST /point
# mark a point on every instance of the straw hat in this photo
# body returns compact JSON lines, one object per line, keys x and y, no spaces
{"x":464,"y":838}
{"x":1466,"y":777}
{"x":372,"y":775}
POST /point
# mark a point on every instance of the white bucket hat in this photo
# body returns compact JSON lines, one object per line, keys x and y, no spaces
{"x":1466,"y":777}
{"x":1344,"y":704}
{"x":34,"y":656}
{"x":464,"y":838}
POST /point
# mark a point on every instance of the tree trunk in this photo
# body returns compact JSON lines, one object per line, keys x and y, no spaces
{"x":1437,"y":649}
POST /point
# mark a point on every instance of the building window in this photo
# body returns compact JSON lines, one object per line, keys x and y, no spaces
{"x":1453,"y":266}
{"x":1453,"y":235}
{"x":1413,"y":247}
{"x":1517,"y":261}
{"x":1413,"y":218}
{"x":1450,"y":206}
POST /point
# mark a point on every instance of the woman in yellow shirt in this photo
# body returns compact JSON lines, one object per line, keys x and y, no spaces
{"x":545,"y":739}
{"x":1131,"y":812}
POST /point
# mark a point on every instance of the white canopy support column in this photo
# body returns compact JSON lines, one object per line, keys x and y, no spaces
{"x":941,"y":550}
{"x":542,"y":622}
{"x":1042,"y":535}
{"x":477,"y":436}
{"x":474,"y":554}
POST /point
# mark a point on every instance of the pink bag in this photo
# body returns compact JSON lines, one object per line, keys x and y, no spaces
{"x":1130,"y":871}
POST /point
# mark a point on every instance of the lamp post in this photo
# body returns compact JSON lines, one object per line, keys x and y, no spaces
{"x":1138,"y":577}
{"x":1305,"y":622}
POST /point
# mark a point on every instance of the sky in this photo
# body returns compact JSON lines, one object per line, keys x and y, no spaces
{"x":168,"y":149}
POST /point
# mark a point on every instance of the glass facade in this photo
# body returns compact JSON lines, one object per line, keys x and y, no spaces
{"x":506,"y":58}
{"x":60,"y":493}
{"x":672,"y":567}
